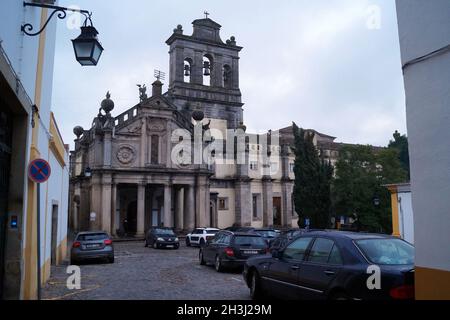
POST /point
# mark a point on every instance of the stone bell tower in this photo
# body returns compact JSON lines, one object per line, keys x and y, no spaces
{"x":204,"y":73}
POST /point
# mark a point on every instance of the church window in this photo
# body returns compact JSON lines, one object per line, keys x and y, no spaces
{"x":154,"y":149}
{"x":227,"y":76}
{"x":207,"y":68}
{"x":223,"y":203}
{"x":253,"y":165}
{"x":187,"y":71}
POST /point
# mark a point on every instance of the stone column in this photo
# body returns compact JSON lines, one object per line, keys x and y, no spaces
{"x":286,"y":203}
{"x":197,"y":68}
{"x":202,"y":205}
{"x":217,"y":71}
{"x":179,"y":208}
{"x":107,"y":146}
{"x":243,"y":211}
{"x":144,"y":144}
{"x":95,"y":203}
{"x":106,"y":203}
{"x":168,"y":221}
{"x":235,"y":73}
{"x":114,"y":219}
{"x":189,"y":208}
{"x":267,"y":202}
{"x":140,"y":210}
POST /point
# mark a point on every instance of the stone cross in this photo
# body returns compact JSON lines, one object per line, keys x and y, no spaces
{"x":206,"y":14}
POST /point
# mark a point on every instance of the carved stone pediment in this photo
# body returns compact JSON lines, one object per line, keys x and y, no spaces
{"x":156,"y":126}
{"x":133,"y":129}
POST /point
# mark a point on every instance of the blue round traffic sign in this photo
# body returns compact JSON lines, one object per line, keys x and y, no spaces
{"x":39,"y":170}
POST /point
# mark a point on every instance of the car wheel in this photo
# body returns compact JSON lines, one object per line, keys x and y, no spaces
{"x":74,"y":262}
{"x":155,"y":246}
{"x":202,"y":242}
{"x":146,"y":243}
{"x":218,"y":264}
{"x":255,"y":286}
{"x":111,"y":259}
{"x":188,"y":243}
{"x":201,"y":258}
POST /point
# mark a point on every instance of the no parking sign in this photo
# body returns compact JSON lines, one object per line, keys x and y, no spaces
{"x":39,"y":170}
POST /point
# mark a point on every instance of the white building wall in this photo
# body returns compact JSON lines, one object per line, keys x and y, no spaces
{"x":406,"y":218}
{"x":423,"y":28}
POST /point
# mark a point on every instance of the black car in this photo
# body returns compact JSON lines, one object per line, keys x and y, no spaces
{"x":239,"y":229}
{"x":280,"y":242}
{"x":161,"y":238}
{"x":268,"y":234}
{"x":334,"y":265}
{"x":231,"y":249}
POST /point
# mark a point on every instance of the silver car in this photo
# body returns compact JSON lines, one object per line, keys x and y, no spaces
{"x":92,"y":245}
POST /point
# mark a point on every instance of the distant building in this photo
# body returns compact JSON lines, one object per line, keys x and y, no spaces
{"x":26,"y":133}
{"x":425,"y":52}
{"x":123,"y":169}
{"x":402,"y":213}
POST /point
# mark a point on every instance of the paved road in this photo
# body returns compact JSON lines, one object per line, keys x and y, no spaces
{"x":144,"y":273}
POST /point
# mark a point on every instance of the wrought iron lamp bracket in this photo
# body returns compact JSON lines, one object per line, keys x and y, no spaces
{"x":61,"y":14}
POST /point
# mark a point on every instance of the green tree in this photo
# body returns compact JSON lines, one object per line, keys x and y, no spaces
{"x":311,"y":194}
{"x":361,"y":172}
{"x":400,"y":143}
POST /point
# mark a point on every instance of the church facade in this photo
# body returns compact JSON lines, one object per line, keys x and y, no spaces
{"x":141,"y":168}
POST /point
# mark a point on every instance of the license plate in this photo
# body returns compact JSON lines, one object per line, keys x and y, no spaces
{"x":169,"y":246}
{"x":250,"y":252}
{"x":90,"y":246}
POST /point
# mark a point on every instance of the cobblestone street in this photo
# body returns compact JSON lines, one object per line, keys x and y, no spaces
{"x":145,"y":273}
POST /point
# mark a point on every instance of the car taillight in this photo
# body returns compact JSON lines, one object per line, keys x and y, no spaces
{"x":76,"y":244}
{"x":229,"y":252}
{"x":402,"y":292}
{"x":107,"y":242}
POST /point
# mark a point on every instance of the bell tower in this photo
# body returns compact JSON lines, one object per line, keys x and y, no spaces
{"x":204,"y":72}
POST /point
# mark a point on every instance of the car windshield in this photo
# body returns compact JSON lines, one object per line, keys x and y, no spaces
{"x":267,"y":233}
{"x":249,"y":241}
{"x":92,"y":237}
{"x":165,"y":232}
{"x":212,"y":231}
{"x":387,"y":251}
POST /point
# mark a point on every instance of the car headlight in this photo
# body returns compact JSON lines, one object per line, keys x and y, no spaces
{"x":176,"y":239}
{"x":159,"y":239}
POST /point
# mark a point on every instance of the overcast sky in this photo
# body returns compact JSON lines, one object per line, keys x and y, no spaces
{"x":330,"y":65}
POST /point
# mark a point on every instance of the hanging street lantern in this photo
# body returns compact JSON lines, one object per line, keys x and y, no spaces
{"x":87,"y":47}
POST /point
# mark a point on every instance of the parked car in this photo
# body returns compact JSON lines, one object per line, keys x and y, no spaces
{"x":334,"y":265}
{"x":231,"y":249}
{"x":91,"y":245}
{"x":268,"y":234}
{"x":239,"y":229}
{"x":158,"y":237}
{"x":200,"y":236}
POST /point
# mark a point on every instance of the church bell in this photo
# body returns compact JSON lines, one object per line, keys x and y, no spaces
{"x":207,"y":68}
{"x":187,"y":70}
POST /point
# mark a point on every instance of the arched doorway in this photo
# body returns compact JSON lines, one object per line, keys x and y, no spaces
{"x":131,"y":225}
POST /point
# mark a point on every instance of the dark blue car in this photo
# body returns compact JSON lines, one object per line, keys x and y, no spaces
{"x":334,"y":265}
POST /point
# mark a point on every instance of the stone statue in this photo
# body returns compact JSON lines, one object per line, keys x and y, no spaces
{"x":142,"y":92}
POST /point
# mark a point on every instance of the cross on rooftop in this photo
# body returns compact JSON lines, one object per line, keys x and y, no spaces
{"x":206,"y":14}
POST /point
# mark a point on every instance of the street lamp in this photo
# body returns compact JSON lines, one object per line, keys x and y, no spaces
{"x":88,"y":172}
{"x":86,"y":46}
{"x":376,"y":201}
